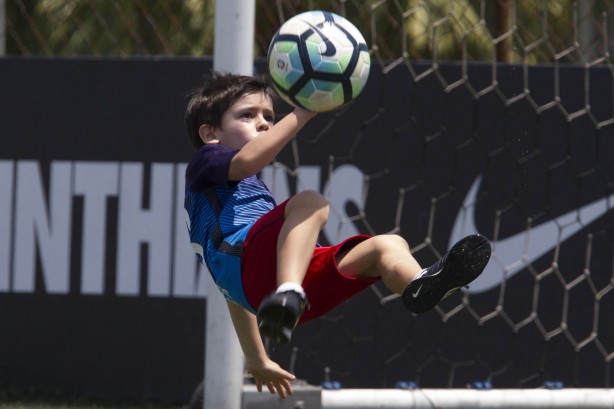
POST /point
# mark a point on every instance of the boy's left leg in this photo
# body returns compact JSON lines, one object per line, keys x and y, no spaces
{"x":386,"y":256}
{"x":421,"y":289}
{"x":462,"y":264}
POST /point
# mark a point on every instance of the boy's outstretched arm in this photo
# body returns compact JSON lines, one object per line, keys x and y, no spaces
{"x":261,"y":151}
{"x":265,"y":371}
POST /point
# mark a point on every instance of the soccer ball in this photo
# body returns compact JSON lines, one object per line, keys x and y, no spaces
{"x":318,"y":61}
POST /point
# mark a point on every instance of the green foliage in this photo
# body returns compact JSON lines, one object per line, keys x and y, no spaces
{"x":110,"y":27}
{"x":536,"y":31}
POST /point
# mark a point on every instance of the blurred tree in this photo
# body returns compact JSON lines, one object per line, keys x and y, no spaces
{"x":528,"y":31}
{"x":110,"y":27}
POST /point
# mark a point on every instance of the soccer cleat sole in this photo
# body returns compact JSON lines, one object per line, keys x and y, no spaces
{"x":465,"y":262}
{"x":277,"y":323}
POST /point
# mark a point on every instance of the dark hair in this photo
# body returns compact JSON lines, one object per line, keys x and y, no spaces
{"x":208,"y":103}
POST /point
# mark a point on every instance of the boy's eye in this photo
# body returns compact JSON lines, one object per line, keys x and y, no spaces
{"x":269,"y":118}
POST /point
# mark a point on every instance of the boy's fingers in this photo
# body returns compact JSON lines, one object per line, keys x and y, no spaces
{"x":281,"y":386}
{"x":271,"y":388}
{"x":281,"y":390}
{"x":287,"y":386}
{"x":258,"y":385}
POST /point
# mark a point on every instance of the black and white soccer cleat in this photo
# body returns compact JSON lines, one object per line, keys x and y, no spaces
{"x":278,"y":315}
{"x":462,"y":264}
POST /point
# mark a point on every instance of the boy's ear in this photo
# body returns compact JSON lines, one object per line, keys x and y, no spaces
{"x":207,"y":134}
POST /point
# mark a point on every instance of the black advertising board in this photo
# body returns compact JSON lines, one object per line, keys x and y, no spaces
{"x":100,"y":295}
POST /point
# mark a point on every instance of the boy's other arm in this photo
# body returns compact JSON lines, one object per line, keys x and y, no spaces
{"x":261,"y":151}
{"x":265,"y":371}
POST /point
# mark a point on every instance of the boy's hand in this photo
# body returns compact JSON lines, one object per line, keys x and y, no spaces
{"x":273,"y":376}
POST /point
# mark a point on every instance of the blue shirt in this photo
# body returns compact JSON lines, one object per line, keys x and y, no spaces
{"x":220,"y":213}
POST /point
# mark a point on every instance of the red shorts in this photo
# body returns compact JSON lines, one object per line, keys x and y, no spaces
{"x":326,"y":287}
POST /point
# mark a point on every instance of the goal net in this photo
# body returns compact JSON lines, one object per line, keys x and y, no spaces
{"x":479,"y":116}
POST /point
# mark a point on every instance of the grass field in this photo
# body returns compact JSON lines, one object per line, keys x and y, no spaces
{"x":42,"y":405}
{"x":12,"y":400}
{"x":61,"y":404}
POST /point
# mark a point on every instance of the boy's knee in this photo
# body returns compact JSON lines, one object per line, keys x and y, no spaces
{"x":391,"y":241}
{"x":312,"y":201}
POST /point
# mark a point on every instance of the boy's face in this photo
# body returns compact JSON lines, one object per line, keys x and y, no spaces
{"x":244,"y":120}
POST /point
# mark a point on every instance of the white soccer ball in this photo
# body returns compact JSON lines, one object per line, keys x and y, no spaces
{"x":319,"y":61}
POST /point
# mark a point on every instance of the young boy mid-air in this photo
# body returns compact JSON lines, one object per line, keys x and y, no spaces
{"x":264,"y":257}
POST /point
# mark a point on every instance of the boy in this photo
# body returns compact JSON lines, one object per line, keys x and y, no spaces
{"x":264,"y":257}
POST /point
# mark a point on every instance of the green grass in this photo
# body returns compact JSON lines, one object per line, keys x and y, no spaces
{"x":10,"y":399}
{"x":58,"y":403}
{"x":21,"y":405}
{"x":42,"y":405}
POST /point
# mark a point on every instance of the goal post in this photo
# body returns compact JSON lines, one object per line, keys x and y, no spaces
{"x":468,"y":398}
{"x":232,"y":52}
{"x":313,"y":398}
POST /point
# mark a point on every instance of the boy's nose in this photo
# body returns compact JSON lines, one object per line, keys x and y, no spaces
{"x":263,"y":125}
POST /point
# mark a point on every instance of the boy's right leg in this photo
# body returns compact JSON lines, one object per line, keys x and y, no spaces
{"x":304,"y":216}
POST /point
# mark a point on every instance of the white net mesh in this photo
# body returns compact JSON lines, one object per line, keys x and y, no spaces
{"x":521,"y":153}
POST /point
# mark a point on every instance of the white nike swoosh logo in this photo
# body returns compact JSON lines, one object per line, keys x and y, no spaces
{"x":513,"y":254}
{"x":417,"y":292}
